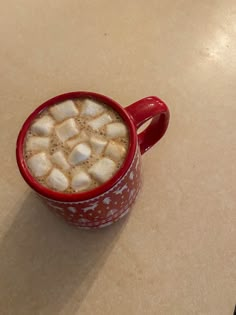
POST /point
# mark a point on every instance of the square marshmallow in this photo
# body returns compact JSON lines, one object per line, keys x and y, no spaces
{"x":100,"y":121}
{"x":115,"y":151}
{"x":116,"y":130}
{"x":58,"y":158}
{"x":39,"y":164}
{"x":67,"y":130}
{"x":43,"y":126}
{"x":103,"y":170}
{"x":80,"y":181}
{"x":57,"y":180}
{"x":91,"y":108}
{"x":37,"y":143}
{"x":79,"y":154}
{"x":98,"y":144}
{"x":64,"y":110}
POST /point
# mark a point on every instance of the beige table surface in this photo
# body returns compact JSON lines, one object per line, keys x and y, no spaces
{"x":176,"y":252}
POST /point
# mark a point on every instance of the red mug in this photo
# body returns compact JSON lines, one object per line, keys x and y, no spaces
{"x":109,"y":202}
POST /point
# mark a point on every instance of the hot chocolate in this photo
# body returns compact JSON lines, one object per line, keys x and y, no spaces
{"x":76,"y":145}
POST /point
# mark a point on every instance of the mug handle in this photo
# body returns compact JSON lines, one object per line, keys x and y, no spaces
{"x":149,"y":108}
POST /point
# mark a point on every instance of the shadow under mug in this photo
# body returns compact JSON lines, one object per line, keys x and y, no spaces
{"x":110,"y":201}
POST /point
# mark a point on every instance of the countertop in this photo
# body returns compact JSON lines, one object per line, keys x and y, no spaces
{"x":176,"y":252}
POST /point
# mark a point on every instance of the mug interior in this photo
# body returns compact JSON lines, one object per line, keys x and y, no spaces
{"x":60,"y":196}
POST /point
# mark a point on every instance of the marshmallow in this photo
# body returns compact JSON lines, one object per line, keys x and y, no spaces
{"x":39,"y":164}
{"x":100,"y":121}
{"x":91,"y":108}
{"x":79,"y":154}
{"x":98,"y":144}
{"x":80,"y":181}
{"x":116,"y":130}
{"x":59,"y":159}
{"x":103,"y":170}
{"x":64,"y":110}
{"x":57,"y":180}
{"x":43,"y":126}
{"x":67,"y":130}
{"x":37,"y":143}
{"x":82,"y":137}
{"x":115,"y":151}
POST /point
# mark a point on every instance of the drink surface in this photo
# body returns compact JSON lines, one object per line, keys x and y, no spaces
{"x":76,"y":145}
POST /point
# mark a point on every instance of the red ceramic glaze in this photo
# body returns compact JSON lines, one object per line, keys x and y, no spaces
{"x":111,"y":201}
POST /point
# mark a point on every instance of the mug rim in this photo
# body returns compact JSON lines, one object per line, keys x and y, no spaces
{"x":75,"y":197}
